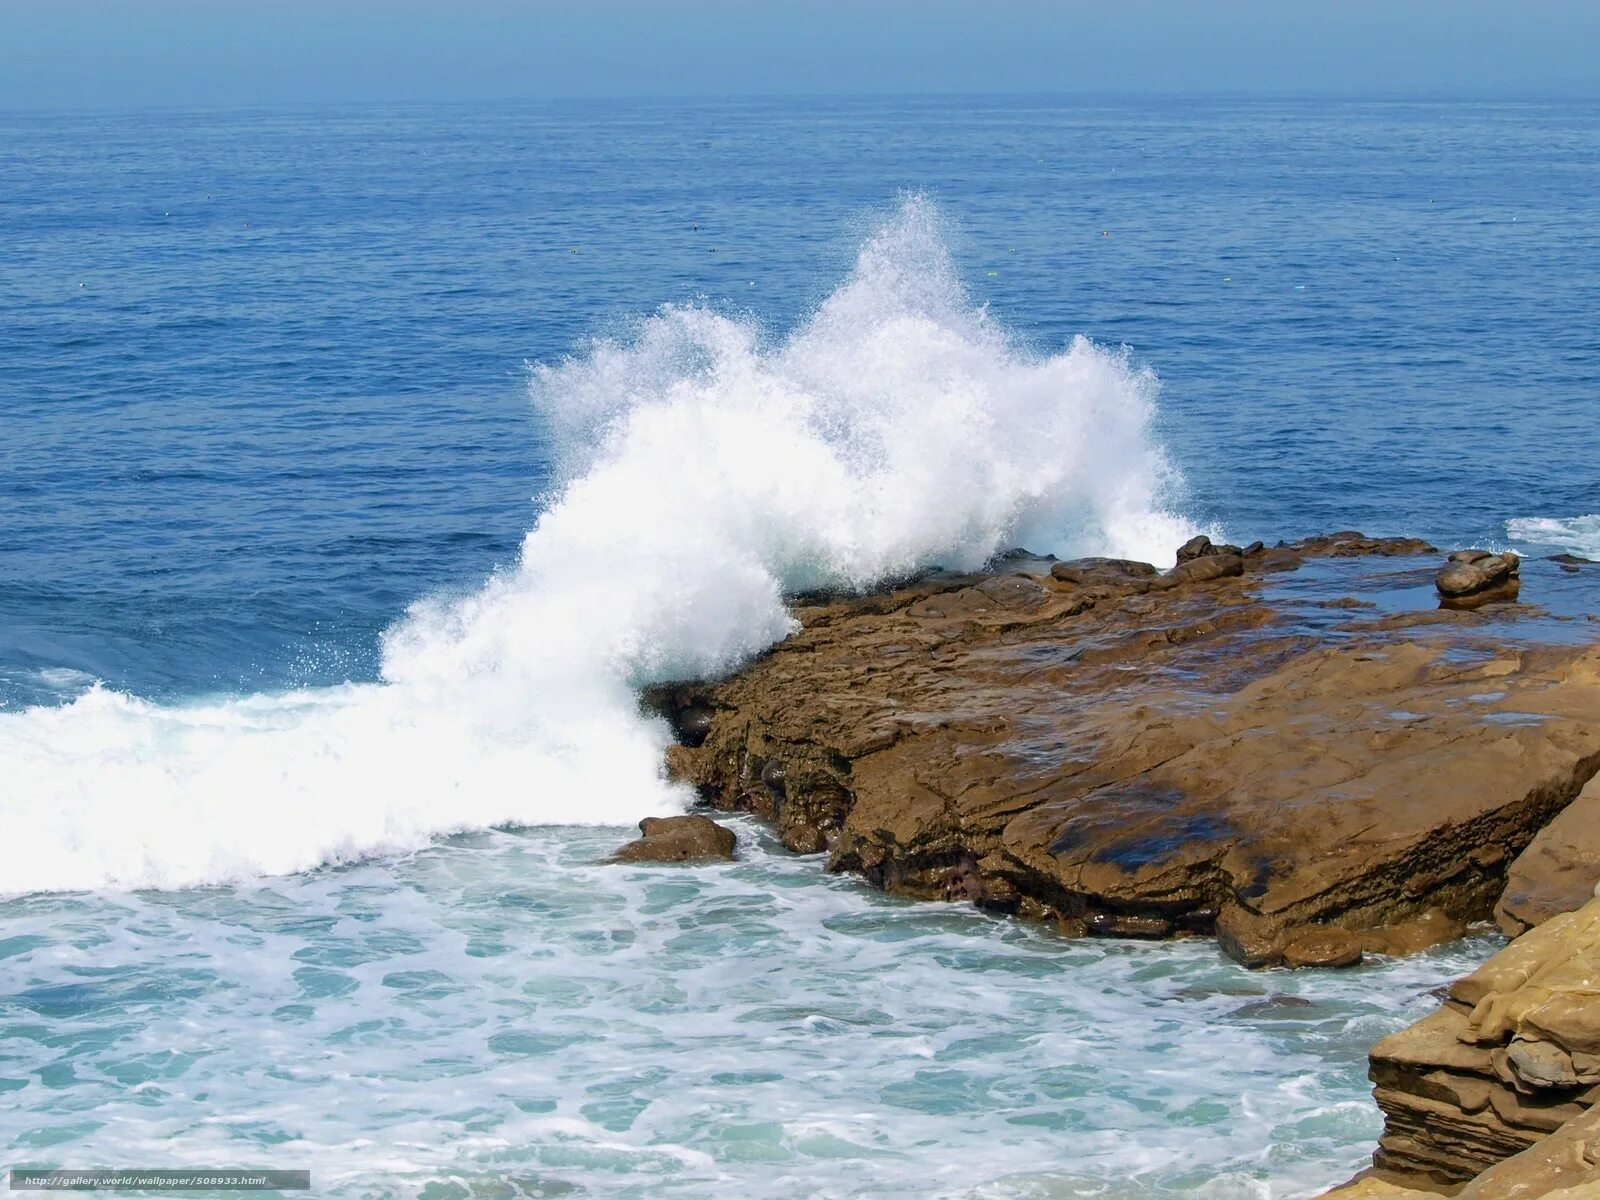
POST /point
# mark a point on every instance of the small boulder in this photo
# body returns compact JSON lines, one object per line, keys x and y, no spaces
{"x":1328,"y":947}
{"x":1537,"y":1065}
{"x":678,"y":839}
{"x":1472,"y":572}
{"x":1200,"y":546}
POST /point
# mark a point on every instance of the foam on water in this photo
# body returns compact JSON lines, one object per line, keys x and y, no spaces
{"x":502,"y":1016}
{"x":708,"y":471}
{"x":1573,"y":535}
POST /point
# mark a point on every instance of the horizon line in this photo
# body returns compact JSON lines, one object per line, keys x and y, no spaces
{"x":1555,"y":94}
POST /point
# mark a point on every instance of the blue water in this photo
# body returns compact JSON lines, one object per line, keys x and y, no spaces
{"x":261,"y":371}
{"x":264,"y":384}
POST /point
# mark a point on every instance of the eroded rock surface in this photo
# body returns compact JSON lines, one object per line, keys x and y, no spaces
{"x":1511,"y":1058}
{"x":1558,"y":871}
{"x":1291,"y":749}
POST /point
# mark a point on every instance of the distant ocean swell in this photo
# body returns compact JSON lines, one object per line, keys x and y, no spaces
{"x":707,"y":471}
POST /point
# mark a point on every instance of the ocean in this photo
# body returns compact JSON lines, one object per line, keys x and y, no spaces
{"x":359,"y":465}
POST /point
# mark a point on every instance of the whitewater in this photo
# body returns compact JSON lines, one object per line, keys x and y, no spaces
{"x":708,"y":469}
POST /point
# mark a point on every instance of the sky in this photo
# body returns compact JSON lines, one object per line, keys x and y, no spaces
{"x":71,"y":54}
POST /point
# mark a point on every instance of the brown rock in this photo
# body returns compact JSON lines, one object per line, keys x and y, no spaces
{"x":1470,"y":572}
{"x":688,"y":838}
{"x":1205,"y":757}
{"x":1371,"y":1187}
{"x":1559,"y":870}
{"x":1111,"y":571}
{"x":687,"y":764}
{"x":1129,"y":926}
{"x":1199,"y":570}
{"x":1507,"y":1061}
{"x":1431,"y":928}
{"x":1330,"y":947}
{"x":1563,"y":1166}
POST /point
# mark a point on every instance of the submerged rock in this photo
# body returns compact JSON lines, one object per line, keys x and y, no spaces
{"x":1205,"y":752}
{"x":678,"y":839}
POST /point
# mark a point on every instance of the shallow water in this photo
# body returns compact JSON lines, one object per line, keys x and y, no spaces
{"x":262,"y":391}
{"x":502,"y":1012}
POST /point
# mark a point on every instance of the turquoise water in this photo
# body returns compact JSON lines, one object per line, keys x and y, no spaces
{"x":501,"y":1016}
{"x":322,"y":614}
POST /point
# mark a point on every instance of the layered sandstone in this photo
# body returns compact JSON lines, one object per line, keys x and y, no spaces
{"x":1292,"y":749}
{"x":1497,"y":1087}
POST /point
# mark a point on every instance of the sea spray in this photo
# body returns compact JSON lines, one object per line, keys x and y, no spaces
{"x":707,"y":471}
{"x":1572,"y":535}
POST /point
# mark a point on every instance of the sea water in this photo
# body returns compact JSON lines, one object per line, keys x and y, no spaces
{"x":360,"y":465}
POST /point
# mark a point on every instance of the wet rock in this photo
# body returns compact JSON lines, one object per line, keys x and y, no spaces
{"x":1273,"y":1008}
{"x":1203,"y":547}
{"x":1351,"y":543}
{"x":1432,"y":927}
{"x":1472,"y":572}
{"x":1199,"y":570}
{"x":686,"y":764}
{"x":1125,"y":925}
{"x":1111,"y":571}
{"x":803,"y":838}
{"x":1330,"y":947}
{"x":688,"y":838}
{"x":1559,"y":870}
{"x":1199,"y":758}
{"x":968,"y":881}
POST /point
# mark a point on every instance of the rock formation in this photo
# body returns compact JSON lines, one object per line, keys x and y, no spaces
{"x":1473,"y":574}
{"x":1497,"y":1086}
{"x":1557,"y":871}
{"x":678,"y":839}
{"x":1292,"y":749}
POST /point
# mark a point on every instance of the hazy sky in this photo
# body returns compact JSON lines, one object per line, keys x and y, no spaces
{"x":133,"y":53}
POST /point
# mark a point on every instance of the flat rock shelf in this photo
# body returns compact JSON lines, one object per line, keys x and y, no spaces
{"x":1295,"y":750}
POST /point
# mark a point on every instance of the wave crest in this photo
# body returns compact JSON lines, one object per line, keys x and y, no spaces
{"x":707,"y":472}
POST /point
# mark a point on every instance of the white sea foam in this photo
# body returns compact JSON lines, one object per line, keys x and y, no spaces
{"x":707,"y":471}
{"x":1575,"y":535}
{"x":509,"y":1013}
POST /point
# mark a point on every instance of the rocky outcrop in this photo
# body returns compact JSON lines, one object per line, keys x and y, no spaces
{"x":1564,"y":1166}
{"x":1477,"y":573}
{"x":1510,"y":1057}
{"x":689,"y":838}
{"x":1288,"y":749}
{"x":1558,"y":870}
